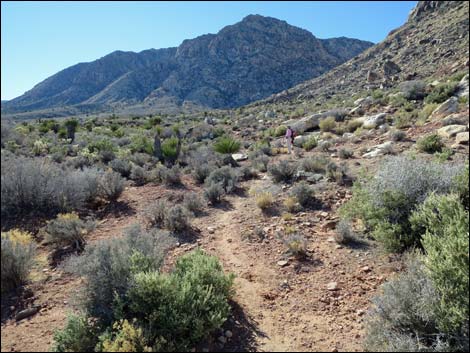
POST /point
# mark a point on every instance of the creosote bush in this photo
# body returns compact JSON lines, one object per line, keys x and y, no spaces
{"x":284,"y":171}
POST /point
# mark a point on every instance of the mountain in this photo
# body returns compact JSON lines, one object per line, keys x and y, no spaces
{"x":432,"y":43}
{"x":244,"y":62}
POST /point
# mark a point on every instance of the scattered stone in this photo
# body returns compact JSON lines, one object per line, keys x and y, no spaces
{"x":372,"y":122}
{"x":27,"y":313}
{"x":329,"y":225}
{"x":384,"y":148}
{"x":366,"y":269}
{"x":211,"y":230}
{"x":332,"y":286}
{"x":228,"y":334}
{"x":451,"y":130}
{"x":239,"y":157}
{"x":282,"y":263}
{"x":360,"y":312}
{"x":390,"y":68}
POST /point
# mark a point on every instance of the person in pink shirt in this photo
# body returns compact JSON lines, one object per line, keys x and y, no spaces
{"x":289,"y":139}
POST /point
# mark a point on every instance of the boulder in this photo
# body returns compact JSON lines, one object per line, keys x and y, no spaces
{"x":364,"y":102}
{"x":451,"y":130}
{"x":372,"y":76}
{"x":299,"y":140}
{"x":462,"y":88}
{"x":384,"y":148}
{"x":462,"y":138}
{"x":448,"y":107}
{"x":372,"y":122}
{"x":239,"y":157}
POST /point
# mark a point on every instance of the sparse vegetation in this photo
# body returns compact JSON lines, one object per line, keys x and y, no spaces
{"x":430,"y":144}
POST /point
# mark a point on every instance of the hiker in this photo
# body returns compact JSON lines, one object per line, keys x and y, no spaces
{"x":289,"y":139}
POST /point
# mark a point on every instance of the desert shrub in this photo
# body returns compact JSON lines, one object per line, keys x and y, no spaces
{"x":247,"y":173}
{"x":310,"y":143}
{"x":441,"y":92}
{"x":403,"y":318}
{"x":17,"y":258}
{"x":280,"y":131}
{"x":296,"y":245}
{"x":193,"y":297}
{"x":138,"y":175}
{"x":213,"y":193}
{"x":397,"y":135}
{"x":264,"y":200}
{"x":303,"y":193}
{"x":40,"y":186}
{"x":226,"y":144}
{"x":444,"y":223}
{"x":336,"y":173}
{"x":68,"y":230}
{"x":111,"y":185}
{"x":126,"y":337}
{"x":430,"y":144}
{"x":141,"y":144}
{"x":170,"y":176}
{"x":170,"y":149}
{"x":344,"y":233}
{"x":284,"y":171}
{"x":384,"y":203}
{"x":328,"y":124}
{"x":444,"y":155}
{"x":291,"y":204}
{"x":261,"y":162}
{"x":155,"y":213}
{"x":225,"y":177}
{"x":193,"y":203}
{"x":427,"y":110}
{"x":314,"y":164}
{"x":108,"y":266}
{"x":413,"y":90}
{"x":344,"y":153}
{"x":201,"y":172}
{"x":353,"y":125}
{"x":122,"y":167}
{"x":403,"y":119}
{"x":176,"y":219}
{"x":325,"y":145}
{"x":461,"y":186}
{"x":78,"y":335}
{"x":140,"y":159}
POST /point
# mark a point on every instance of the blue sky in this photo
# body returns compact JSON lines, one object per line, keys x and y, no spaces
{"x":39,"y":39}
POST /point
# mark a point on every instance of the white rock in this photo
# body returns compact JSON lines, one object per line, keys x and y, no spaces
{"x":239,"y":157}
{"x":372,"y":122}
{"x":283,"y":263}
{"x":462,"y":138}
{"x":451,"y":130}
{"x":332,"y":286}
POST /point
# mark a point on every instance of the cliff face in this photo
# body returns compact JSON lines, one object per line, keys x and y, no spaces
{"x":242,"y":63}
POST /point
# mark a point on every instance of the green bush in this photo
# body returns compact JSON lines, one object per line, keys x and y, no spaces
{"x":226,"y":145}
{"x":225,"y":177}
{"x":430,"y":144}
{"x":441,"y":92}
{"x":170,"y":148}
{"x":180,"y":309}
{"x":461,"y":187}
{"x":77,"y":336}
{"x":444,"y":223}
{"x":126,"y":337}
{"x":310,"y":143}
{"x":141,"y":144}
{"x":17,"y":258}
{"x":328,"y":124}
{"x":280,"y":131}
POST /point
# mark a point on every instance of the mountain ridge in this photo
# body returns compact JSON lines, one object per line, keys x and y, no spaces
{"x":243,"y":62}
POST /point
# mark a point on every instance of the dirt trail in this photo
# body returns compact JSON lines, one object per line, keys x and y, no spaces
{"x":280,"y":308}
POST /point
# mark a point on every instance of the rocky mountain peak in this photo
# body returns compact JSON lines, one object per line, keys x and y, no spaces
{"x":424,"y":8}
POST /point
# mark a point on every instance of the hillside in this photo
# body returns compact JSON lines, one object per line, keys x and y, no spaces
{"x":242,"y":63}
{"x":433,"y":42}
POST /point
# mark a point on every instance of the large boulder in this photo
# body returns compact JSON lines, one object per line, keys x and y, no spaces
{"x":382,"y":149}
{"x":451,"y":130}
{"x":462,"y":88}
{"x":462,"y":138}
{"x":374,"y":121}
{"x":304,"y":124}
{"x":448,"y":107}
